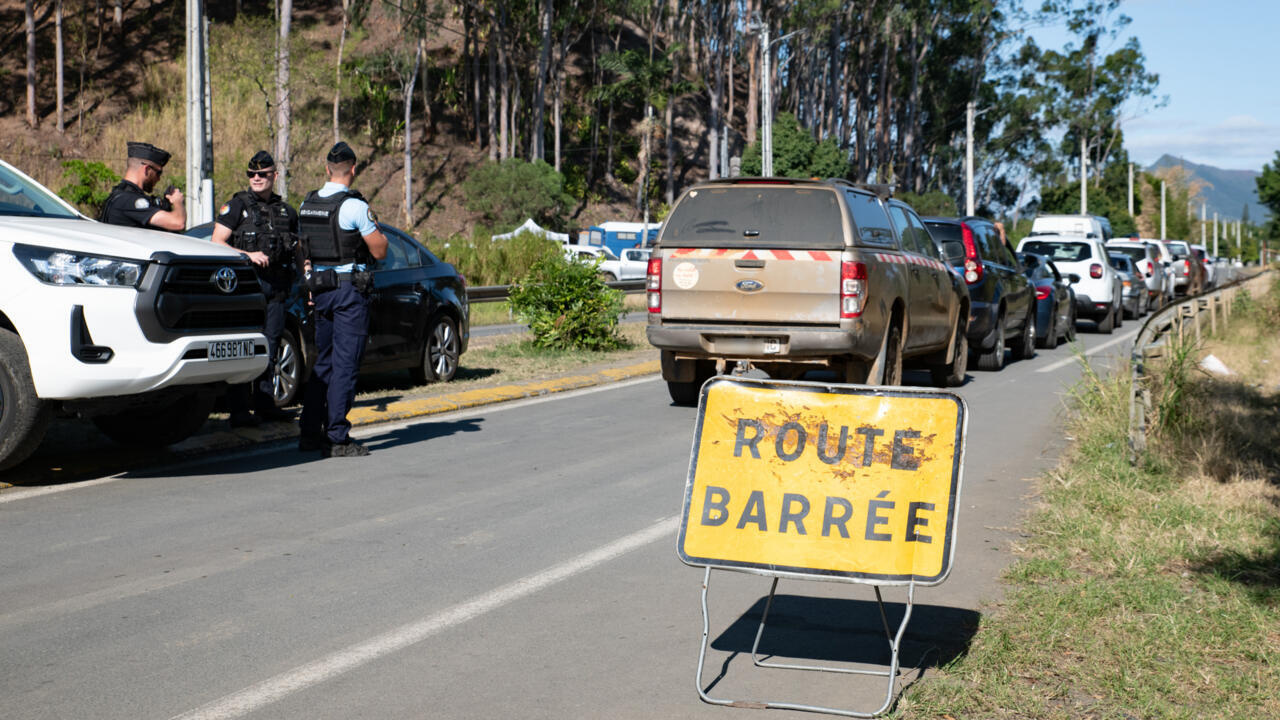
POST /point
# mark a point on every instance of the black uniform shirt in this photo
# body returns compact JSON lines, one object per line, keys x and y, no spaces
{"x":129,"y":206}
{"x":236,"y":212}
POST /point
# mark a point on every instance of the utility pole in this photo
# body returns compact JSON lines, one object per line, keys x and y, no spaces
{"x":968,"y":159}
{"x":199,"y":118}
{"x":1203,"y":209}
{"x":1162,"y":223}
{"x":1084,"y":175}
{"x":766,"y":93}
{"x":1130,"y":189}
{"x":1215,"y":233}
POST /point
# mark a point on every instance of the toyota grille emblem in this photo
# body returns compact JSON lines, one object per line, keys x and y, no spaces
{"x":225,"y":279}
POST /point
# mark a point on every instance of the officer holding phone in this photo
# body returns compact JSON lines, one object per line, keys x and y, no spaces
{"x":343,"y":241}
{"x":131,"y":203}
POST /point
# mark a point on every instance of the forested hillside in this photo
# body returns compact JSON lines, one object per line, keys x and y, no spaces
{"x":625,"y":101}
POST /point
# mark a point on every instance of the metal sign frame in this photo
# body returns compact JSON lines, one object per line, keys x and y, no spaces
{"x":893,"y":638}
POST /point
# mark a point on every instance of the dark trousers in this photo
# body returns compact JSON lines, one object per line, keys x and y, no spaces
{"x":261,"y":391}
{"x":342,"y":329}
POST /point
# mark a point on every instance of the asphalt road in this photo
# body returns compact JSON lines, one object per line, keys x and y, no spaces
{"x":516,"y":560}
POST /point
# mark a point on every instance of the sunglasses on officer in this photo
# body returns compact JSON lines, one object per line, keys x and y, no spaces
{"x":156,"y":168}
{"x":259,"y":173}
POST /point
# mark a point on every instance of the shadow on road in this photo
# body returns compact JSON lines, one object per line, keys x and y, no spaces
{"x":850,"y":631}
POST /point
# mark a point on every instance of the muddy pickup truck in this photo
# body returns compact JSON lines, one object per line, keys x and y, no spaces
{"x":792,"y":275}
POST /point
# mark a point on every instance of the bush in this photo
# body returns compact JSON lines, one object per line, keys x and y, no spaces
{"x":488,"y":262}
{"x":934,"y":203}
{"x":507,"y":193}
{"x":796,"y":153}
{"x":566,"y":305}
{"x":90,"y":185}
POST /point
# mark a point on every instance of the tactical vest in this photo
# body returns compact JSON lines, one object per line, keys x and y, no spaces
{"x":122,"y":186}
{"x":318,"y":223}
{"x":258,"y":232}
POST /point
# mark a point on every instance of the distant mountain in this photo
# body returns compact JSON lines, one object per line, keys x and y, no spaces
{"x":1227,"y":190}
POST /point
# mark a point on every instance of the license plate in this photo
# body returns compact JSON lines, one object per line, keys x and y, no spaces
{"x":230,"y":349}
{"x":772,"y":346}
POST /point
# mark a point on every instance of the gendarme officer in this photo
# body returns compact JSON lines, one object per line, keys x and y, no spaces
{"x":343,"y":241}
{"x":262,"y":226}
{"x":131,"y":203}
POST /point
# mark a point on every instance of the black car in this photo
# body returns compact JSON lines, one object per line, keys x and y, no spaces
{"x":1002,"y":308}
{"x":1055,"y":300}
{"x":419,"y":318}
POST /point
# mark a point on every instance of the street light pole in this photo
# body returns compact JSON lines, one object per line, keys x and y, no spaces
{"x":766,"y":94}
{"x":968,"y":159}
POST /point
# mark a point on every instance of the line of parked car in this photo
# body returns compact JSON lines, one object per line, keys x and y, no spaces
{"x":791,"y":276}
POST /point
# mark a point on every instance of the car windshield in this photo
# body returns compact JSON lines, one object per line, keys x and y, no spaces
{"x":1121,"y":262}
{"x":20,"y":197}
{"x":1060,"y":251}
{"x":1178,"y":249}
{"x":1136,"y":253}
{"x":751,"y":215}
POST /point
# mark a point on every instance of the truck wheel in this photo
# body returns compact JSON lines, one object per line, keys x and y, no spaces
{"x":952,"y":375}
{"x":286,"y":370}
{"x":684,"y":394}
{"x":152,"y":427}
{"x":1024,"y":347}
{"x":608,"y":277}
{"x":23,"y":416}
{"x":993,"y":359}
{"x":892,"y":374}
{"x":439,"y":353}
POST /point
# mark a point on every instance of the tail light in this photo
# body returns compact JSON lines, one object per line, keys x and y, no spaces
{"x":853,"y":289}
{"x":1151,"y":268}
{"x":1095,"y":270}
{"x":1042,"y":292}
{"x":653,"y":285}
{"x":972,"y":268}
{"x":1186,"y":267}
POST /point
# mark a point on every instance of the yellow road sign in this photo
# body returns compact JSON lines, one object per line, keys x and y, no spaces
{"x":844,"y":483}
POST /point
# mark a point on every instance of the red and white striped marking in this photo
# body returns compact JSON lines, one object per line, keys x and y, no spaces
{"x":727,"y":254}
{"x":906,"y":259}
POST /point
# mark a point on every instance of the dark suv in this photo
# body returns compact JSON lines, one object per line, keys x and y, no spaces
{"x":1002,"y":301}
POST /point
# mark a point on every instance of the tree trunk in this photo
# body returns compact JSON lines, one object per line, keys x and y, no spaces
{"x":493,"y":96}
{"x":504,"y":99}
{"x":429,"y":116}
{"x":408,"y":137}
{"x":537,"y":144}
{"x":117,"y":14}
{"x":669,"y":114}
{"x":559,"y":98}
{"x":283,"y":109}
{"x":752,"y":49}
{"x":715,"y":64}
{"x":32,"y":119}
{"x":58,"y":64}
{"x":337,"y":68}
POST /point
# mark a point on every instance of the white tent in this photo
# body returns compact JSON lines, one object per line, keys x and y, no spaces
{"x":532,"y":227}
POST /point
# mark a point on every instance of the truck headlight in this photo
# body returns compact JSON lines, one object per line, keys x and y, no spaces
{"x":64,"y":267}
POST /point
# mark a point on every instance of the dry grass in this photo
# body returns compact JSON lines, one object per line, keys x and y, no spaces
{"x":1150,"y":591}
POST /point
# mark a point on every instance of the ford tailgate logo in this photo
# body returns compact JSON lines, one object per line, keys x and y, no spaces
{"x":749,"y":285}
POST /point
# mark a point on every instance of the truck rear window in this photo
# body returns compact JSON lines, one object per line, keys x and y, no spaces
{"x":746,"y":216}
{"x":1059,"y":251}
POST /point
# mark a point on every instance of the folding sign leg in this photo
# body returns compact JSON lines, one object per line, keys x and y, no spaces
{"x":894,"y":640}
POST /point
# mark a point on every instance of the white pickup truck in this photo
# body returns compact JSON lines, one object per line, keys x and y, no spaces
{"x":135,"y":329}
{"x":633,"y":265}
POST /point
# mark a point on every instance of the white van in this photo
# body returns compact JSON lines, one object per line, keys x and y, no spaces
{"x":1084,"y":225}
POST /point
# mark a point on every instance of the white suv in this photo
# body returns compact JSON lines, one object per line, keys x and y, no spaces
{"x":1098,"y":293}
{"x":135,"y":329}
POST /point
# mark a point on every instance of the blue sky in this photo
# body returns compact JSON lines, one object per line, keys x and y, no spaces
{"x":1217,"y":62}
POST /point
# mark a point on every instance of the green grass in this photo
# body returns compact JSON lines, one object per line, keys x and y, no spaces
{"x":1148,"y":591}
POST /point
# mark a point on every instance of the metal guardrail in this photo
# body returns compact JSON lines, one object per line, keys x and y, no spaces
{"x":1176,"y":320}
{"x":497,"y":293}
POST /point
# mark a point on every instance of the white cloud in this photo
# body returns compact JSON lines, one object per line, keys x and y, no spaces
{"x":1240,"y":142}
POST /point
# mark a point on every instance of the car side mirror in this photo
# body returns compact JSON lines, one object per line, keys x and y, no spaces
{"x":1073,"y":278}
